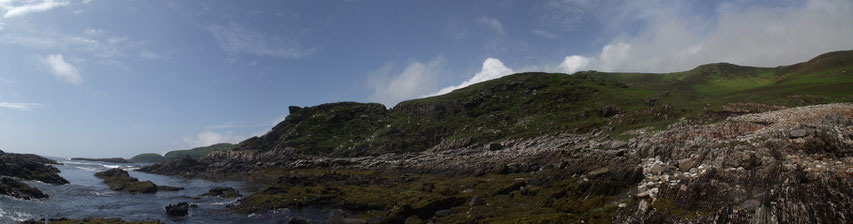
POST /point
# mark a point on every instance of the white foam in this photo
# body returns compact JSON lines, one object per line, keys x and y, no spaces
{"x":86,"y":168}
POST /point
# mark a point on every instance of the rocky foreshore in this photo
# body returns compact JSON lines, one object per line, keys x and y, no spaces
{"x":17,"y":167}
{"x":790,"y":166}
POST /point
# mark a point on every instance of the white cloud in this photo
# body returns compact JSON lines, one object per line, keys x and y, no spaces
{"x":235,"y":38}
{"x":150,"y":55}
{"x":754,"y":35}
{"x":87,"y":1}
{"x":19,"y":106}
{"x":62,"y":69}
{"x":415,"y":80}
{"x":14,"y":8}
{"x":492,"y":69}
{"x":573,"y":64}
{"x":209,"y":138}
{"x":492,"y":23}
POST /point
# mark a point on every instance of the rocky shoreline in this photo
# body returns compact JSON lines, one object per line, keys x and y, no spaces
{"x":17,"y":167}
{"x":761,"y":167}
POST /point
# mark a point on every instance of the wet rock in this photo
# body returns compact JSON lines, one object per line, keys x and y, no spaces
{"x":225,"y":192}
{"x":178,"y":210}
{"x":423,"y":210}
{"x":510,"y":188}
{"x":120,"y":180}
{"x":16,"y":189}
{"x":169,"y":188}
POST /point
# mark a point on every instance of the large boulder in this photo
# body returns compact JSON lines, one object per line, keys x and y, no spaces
{"x":178,"y":210}
{"x":16,"y":189}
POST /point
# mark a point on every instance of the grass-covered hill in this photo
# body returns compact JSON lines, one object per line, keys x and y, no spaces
{"x":531,"y":104}
{"x":194,"y":153}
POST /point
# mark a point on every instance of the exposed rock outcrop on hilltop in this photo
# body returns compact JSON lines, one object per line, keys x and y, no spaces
{"x":29,"y":167}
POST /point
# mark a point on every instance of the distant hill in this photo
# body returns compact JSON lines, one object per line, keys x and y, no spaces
{"x":198,"y":152}
{"x":194,"y":153}
{"x":148,"y":158}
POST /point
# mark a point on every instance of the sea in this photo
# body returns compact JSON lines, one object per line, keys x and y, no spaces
{"x":88,"y":197}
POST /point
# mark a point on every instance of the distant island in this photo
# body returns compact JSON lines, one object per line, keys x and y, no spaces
{"x":109,"y":160}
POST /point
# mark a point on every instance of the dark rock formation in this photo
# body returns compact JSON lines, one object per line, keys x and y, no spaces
{"x":109,"y":160}
{"x":120,"y":180}
{"x":178,"y":210}
{"x":16,"y":189}
{"x":225,"y":192}
{"x":88,"y":220}
{"x":29,"y":167}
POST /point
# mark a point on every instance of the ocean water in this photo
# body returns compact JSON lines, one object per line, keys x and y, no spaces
{"x":87,"y":196}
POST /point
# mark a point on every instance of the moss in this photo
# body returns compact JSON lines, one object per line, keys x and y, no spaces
{"x":120,"y":180}
{"x":507,"y":198}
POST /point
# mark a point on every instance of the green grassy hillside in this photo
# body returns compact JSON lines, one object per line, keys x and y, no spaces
{"x":530,"y":104}
{"x":148,"y":158}
{"x":197,"y":152}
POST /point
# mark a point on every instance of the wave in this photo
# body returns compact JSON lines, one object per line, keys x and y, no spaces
{"x":86,"y":168}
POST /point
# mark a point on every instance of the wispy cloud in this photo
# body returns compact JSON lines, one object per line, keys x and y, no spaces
{"x":237,"y":39}
{"x":62,"y":69}
{"x":492,"y":23}
{"x":417,"y":79}
{"x":209,"y":138}
{"x":16,"y":8}
{"x":19,"y":106}
{"x":545,"y":34}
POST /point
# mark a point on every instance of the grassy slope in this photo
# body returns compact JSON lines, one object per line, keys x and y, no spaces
{"x":529,"y":104}
{"x":198,"y":152}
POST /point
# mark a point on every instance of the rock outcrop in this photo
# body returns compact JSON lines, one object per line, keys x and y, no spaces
{"x":30,"y":167}
{"x":119,"y":180}
{"x":225,"y":192}
{"x":178,"y":210}
{"x":16,"y":189}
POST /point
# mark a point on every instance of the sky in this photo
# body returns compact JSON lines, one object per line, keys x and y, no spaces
{"x":116,"y":78}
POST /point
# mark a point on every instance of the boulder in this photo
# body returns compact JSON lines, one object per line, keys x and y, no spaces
{"x":798,"y":133}
{"x":178,"y":210}
{"x":225,"y":192}
{"x":495,"y":146}
{"x":16,"y":189}
{"x":598,"y":171}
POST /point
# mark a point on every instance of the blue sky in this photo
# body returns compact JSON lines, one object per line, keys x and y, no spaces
{"x":110,"y":78}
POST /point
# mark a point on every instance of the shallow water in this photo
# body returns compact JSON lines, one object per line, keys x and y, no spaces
{"x":87,"y":197}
